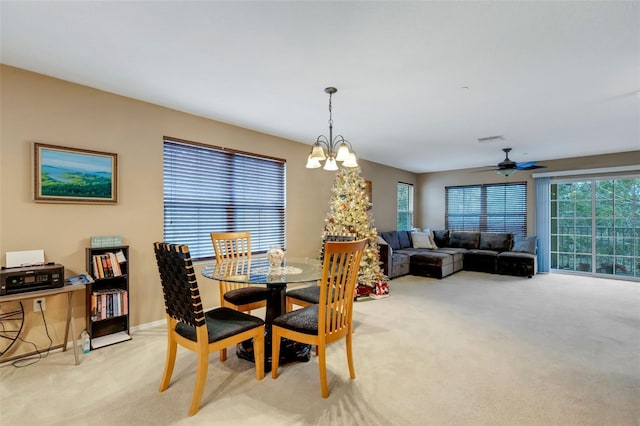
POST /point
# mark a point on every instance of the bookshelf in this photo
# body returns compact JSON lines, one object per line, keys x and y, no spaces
{"x":108,"y":296}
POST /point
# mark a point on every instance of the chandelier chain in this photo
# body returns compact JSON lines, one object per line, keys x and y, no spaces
{"x":330,"y":113}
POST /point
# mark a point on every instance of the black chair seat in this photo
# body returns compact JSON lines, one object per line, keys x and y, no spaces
{"x":303,"y":320}
{"x":221,"y":323}
{"x":246,"y":295}
{"x":310,"y":294}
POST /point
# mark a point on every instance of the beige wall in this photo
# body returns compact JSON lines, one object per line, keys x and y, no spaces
{"x":36,"y":108}
{"x":431,"y":186}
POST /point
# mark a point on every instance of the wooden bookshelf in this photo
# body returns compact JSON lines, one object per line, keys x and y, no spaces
{"x":108,"y":296}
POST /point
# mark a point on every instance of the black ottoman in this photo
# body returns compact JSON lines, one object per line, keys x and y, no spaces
{"x":517,"y":263}
{"x":433,"y":264}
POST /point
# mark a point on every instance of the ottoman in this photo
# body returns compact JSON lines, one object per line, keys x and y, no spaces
{"x":517,"y":263}
{"x":434,"y":264}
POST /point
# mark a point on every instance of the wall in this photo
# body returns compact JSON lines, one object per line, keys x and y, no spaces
{"x":431,"y":186}
{"x":36,"y":108}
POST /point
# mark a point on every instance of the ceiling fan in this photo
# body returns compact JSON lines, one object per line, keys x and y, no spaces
{"x":507,"y":167}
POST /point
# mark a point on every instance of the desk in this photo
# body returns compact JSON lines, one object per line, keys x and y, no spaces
{"x":258,"y":272}
{"x":68,"y":289}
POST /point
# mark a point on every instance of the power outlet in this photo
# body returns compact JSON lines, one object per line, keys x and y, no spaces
{"x":39,"y":304}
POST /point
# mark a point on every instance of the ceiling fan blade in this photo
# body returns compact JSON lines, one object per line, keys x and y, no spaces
{"x":529,"y":165}
{"x":488,"y":169}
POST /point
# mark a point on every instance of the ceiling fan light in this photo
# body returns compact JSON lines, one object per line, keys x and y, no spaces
{"x":351,"y":161}
{"x":506,"y":172}
{"x":312,"y":163}
{"x":343,"y":153}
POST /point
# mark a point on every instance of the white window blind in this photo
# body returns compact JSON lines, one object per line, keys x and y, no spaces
{"x":498,"y":207}
{"x":209,"y":189}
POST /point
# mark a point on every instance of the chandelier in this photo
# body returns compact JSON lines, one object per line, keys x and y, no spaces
{"x":331,"y":149}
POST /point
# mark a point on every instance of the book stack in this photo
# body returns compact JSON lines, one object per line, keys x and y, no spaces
{"x":109,"y":303}
{"x":107,"y":265}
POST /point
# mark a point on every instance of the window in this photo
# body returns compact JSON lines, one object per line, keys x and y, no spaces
{"x":405,"y":206}
{"x":209,"y":189}
{"x":498,"y":207}
{"x":595,"y":226}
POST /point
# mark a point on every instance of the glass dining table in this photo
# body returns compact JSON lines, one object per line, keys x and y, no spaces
{"x":257,"y":271}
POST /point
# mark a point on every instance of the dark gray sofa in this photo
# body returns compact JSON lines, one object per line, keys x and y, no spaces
{"x":492,"y":252}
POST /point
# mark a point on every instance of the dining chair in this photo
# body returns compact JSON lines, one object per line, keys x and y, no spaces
{"x":310,"y":295}
{"x":329,"y":320}
{"x":236,"y":247}
{"x":195,"y":329}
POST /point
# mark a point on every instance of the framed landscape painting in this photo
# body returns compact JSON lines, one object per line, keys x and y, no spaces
{"x":72,"y":175}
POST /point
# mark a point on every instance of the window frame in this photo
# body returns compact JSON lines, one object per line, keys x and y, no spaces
{"x":479,"y":219}
{"x":589,"y":261}
{"x":208,"y":188}
{"x":410,"y":205}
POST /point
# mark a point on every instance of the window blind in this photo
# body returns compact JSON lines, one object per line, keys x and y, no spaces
{"x":498,"y":207}
{"x":209,"y":189}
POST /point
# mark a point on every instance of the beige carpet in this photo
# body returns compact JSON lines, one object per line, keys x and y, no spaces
{"x":471,"y":349}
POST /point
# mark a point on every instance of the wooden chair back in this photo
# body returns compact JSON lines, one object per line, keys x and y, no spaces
{"x":234,"y":246}
{"x":339,"y":277}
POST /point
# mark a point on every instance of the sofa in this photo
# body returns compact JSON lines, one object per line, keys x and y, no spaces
{"x":443,"y":252}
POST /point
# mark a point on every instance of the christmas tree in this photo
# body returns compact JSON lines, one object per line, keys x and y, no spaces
{"x":349,"y":215}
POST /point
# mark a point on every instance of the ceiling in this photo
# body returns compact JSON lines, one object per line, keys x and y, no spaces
{"x":418,"y":82}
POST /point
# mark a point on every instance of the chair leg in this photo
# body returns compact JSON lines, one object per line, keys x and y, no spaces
{"x":275,"y":352}
{"x":170,"y":361}
{"x":258,"y":353}
{"x":352,"y":370}
{"x":223,"y":354}
{"x":201,"y":376}
{"x":322,"y":365}
{"x":289,"y":305}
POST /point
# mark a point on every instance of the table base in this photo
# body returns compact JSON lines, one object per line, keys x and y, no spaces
{"x":290,"y":351}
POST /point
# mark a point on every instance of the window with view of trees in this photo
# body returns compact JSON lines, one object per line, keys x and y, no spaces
{"x":405,"y":206}
{"x":500,"y":207}
{"x":595,"y":226}
{"x":209,"y":189}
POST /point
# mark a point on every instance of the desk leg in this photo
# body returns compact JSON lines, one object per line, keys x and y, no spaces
{"x":70,"y":321}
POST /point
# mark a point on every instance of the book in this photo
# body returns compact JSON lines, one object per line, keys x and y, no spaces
{"x":80,"y":279}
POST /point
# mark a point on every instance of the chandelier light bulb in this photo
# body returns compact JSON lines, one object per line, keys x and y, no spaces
{"x":343,"y":153}
{"x":313,"y":163}
{"x":331,"y":164}
{"x":318,"y":152}
{"x":351,"y":161}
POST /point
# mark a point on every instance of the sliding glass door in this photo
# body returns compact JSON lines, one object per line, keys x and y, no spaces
{"x":595,"y":226}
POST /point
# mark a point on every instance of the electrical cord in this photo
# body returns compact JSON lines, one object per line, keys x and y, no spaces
{"x":27,"y":361}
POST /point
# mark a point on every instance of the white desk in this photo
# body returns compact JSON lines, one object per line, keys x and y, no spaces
{"x":69,"y":290}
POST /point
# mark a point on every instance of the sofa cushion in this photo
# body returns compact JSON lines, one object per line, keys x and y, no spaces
{"x":463,"y":239}
{"x":432,"y":258}
{"x":496,"y":241}
{"x":421,"y":240}
{"x":391,"y":237}
{"x":525,"y":244}
{"x":441,"y":237}
{"x":405,"y":239}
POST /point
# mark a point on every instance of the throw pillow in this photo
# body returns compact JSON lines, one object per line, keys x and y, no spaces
{"x":432,"y":238}
{"x":441,"y":237}
{"x":391,"y":237}
{"x":421,"y":240}
{"x":525,"y":244}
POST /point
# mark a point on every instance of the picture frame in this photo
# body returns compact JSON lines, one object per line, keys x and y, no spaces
{"x":74,"y":175}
